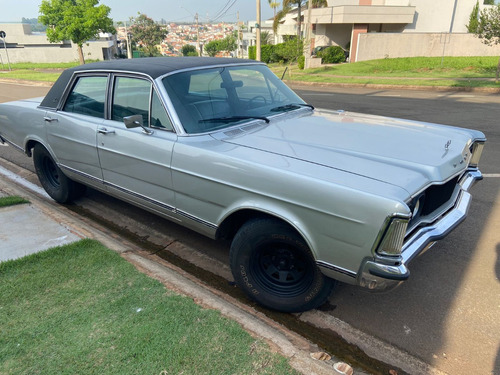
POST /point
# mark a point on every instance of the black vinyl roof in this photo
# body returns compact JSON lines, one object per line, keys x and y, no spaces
{"x":151,"y":66}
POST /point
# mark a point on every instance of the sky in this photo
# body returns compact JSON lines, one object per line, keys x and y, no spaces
{"x":170,"y":10}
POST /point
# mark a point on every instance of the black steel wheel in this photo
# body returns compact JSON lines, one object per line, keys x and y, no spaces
{"x":272,"y":263}
{"x":54,"y":181}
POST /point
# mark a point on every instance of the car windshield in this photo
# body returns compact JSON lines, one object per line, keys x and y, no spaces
{"x":217,"y":98}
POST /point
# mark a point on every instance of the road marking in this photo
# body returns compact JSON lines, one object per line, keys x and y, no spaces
{"x":492,"y":175}
{"x":14,"y":177}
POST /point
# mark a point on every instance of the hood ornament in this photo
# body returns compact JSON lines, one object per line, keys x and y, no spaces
{"x":447,"y":145}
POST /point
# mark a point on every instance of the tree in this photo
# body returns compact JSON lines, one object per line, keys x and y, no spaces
{"x":287,"y":7}
{"x":265,"y":37}
{"x":215,"y":46}
{"x":35,"y":25}
{"x":274,"y":4}
{"x":212,"y":48}
{"x":189,"y":50}
{"x":473,"y":19}
{"x":148,"y":34}
{"x":488,"y":29}
{"x":489,"y":2}
{"x":75,"y":20}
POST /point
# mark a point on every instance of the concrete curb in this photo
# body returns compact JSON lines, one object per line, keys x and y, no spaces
{"x":314,"y":85}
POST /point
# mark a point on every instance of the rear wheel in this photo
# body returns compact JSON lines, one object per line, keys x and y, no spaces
{"x":56,"y":184}
{"x":273,"y":265}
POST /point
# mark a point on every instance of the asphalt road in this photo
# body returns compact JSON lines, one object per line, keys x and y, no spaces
{"x":448,"y":312}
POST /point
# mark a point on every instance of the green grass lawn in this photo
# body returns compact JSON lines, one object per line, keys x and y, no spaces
{"x":82,"y":309}
{"x":415,"y":71}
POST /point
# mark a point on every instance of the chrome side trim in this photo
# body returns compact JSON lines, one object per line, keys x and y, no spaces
{"x":140,"y":196}
{"x":335,"y":268}
{"x":155,"y":202}
{"x":196,"y":219}
{"x":19,"y":148}
{"x":80,"y":173}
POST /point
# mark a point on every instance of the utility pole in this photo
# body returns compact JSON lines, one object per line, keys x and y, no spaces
{"x":257,"y":33}
{"x":307,"y":46}
{"x":197,"y":35}
{"x":238,"y":49}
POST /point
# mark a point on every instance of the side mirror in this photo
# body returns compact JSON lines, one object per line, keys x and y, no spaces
{"x":135,"y":121}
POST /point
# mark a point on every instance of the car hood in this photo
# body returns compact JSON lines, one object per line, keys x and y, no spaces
{"x":404,"y":153}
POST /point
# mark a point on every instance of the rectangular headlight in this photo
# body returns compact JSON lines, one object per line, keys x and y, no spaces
{"x":476,"y":150}
{"x":392,"y":241}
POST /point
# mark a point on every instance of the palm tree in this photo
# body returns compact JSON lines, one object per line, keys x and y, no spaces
{"x":274,"y":5}
{"x":287,"y":7}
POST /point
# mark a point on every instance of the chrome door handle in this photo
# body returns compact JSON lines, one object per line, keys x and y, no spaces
{"x":105,"y":131}
{"x":50,"y":119}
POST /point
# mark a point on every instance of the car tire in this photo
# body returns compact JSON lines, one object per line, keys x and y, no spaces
{"x":54,"y":181}
{"x":273,"y":265}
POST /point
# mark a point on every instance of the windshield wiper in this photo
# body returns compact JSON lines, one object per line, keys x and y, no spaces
{"x":234,"y":118}
{"x":290,"y":107}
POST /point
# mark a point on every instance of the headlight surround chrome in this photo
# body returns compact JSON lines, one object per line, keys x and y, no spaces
{"x":476,"y":150}
{"x":393,"y":237}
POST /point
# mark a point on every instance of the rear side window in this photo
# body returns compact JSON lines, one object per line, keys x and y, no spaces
{"x":88,"y":97}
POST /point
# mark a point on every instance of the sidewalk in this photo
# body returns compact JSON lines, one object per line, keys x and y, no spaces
{"x":26,"y":230}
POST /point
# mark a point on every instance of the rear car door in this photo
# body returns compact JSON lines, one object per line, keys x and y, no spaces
{"x":71,"y":131}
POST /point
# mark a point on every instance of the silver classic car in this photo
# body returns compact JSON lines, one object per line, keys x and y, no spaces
{"x":222,"y":146}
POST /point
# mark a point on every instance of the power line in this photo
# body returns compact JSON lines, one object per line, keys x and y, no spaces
{"x":224,"y":10}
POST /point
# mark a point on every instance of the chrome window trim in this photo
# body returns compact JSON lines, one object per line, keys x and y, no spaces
{"x":71,"y":84}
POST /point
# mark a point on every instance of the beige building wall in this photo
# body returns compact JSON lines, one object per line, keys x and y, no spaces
{"x":25,"y":46}
{"x":435,"y":16}
{"x":384,"y":45}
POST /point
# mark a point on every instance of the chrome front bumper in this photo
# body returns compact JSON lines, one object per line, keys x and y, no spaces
{"x":385,"y":273}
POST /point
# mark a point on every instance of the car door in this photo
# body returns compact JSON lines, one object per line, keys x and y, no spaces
{"x":136,"y":162}
{"x":71,"y":131}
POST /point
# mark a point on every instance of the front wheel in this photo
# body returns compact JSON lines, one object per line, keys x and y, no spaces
{"x":56,"y":184}
{"x":273,"y":265}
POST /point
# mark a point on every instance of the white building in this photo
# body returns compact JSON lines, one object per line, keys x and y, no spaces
{"x":372,"y":29}
{"x":25,"y":46}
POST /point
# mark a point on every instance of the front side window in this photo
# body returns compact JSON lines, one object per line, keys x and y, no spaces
{"x":216,"y":98}
{"x":135,"y":96}
{"x":87,"y":96}
{"x":131,"y":97}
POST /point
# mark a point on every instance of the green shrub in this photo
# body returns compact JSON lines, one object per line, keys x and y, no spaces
{"x":266,"y":51}
{"x":252,"y":52}
{"x":332,"y":55}
{"x":301,"y":61}
{"x":278,"y":53}
{"x":287,"y":52}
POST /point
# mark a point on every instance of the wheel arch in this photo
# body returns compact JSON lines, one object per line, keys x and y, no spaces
{"x":30,"y":144}
{"x":236,"y":219}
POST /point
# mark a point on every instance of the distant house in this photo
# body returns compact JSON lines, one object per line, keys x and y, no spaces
{"x":23,"y":45}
